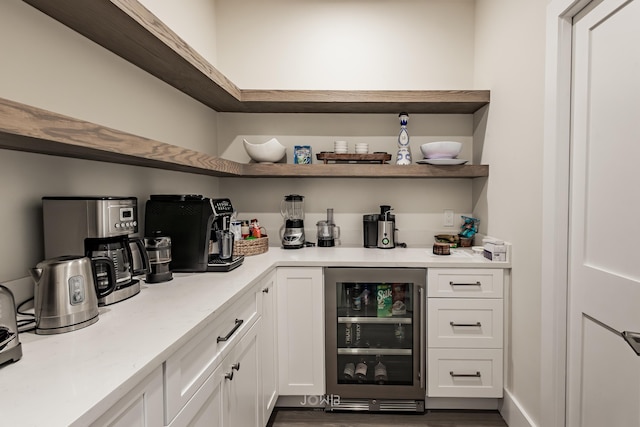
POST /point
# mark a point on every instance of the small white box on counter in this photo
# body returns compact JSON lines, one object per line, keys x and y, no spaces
{"x":494,"y":249}
{"x":495,"y":256}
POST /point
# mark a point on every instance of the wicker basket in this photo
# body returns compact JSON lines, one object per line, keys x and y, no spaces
{"x":251,"y":247}
{"x":466,"y":242}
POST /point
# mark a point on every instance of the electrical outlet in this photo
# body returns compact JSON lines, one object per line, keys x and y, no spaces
{"x":448,"y":218}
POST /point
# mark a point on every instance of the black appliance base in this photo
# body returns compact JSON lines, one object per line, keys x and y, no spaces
{"x":216,"y":264}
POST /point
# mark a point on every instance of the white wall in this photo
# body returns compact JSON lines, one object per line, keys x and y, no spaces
{"x":192,"y":20}
{"x":346,"y":44}
{"x":47,"y":65}
{"x":510,"y":37}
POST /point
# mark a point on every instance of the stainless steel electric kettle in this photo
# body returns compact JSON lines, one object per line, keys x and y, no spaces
{"x":66,"y":293}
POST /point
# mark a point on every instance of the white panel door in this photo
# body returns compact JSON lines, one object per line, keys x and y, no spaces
{"x":300,"y":301}
{"x":603,"y":383}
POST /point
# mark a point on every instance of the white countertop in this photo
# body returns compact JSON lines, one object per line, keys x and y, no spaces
{"x":74,"y":377}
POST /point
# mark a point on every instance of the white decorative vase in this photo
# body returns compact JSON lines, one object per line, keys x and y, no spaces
{"x":404,"y":152}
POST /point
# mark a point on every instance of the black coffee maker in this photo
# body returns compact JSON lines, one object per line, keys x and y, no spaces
{"x":199,"y":230}
{"x":378,"y":230}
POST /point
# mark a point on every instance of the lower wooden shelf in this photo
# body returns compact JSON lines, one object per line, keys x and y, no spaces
{"x":280,"y":170}
{"x":27,"y":128}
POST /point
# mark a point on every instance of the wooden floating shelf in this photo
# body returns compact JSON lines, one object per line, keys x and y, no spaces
{"x":280,"y":170}
{"x":128,"y":29}
{"x":27,"y":128}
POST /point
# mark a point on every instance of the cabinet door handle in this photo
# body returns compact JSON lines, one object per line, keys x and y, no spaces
{"x":265,"y":291}
{"x":229,"y":376}
{"x":477,"y":324}
{"x":454,"y":375}
{"x":235,"y":366}
{"x":465,"y":284}
{"x":232,"y":331}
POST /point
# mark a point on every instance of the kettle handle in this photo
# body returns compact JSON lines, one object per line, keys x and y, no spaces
{"x":111,"y":273}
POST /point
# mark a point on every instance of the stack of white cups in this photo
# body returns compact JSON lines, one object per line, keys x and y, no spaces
{"x":362,"y":148}
{"x":340,"y":147}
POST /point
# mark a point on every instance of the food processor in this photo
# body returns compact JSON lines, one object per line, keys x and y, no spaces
{"x":328,"y":231}
{"x":292,"y":210}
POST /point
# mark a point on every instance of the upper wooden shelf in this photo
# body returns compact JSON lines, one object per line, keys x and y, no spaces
{"x":27,"y":128}
{"x":132,"y":32}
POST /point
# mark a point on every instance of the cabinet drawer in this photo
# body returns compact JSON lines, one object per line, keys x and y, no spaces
{"x":464,"y":372}
{"x":465,"y":282}
{"x":188,"y":368}
{"x":465,"y":323}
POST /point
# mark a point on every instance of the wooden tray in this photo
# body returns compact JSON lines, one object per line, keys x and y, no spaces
{"x":327,"y":156}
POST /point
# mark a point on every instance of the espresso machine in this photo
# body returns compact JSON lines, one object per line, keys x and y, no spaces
{"x":98,"y":227}
{"x":292,"y":210}
{"x":199,"y":230}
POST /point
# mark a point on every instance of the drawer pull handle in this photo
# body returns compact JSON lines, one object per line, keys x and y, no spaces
{"x":477,"y":324}
{"x":231,"y":332}
{"x":235,"y":366}
{"x":454,"y":375}
{"x":229,"y":376}
{"x":465,"y":284}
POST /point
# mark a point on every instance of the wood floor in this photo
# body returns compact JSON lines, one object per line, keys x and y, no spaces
{"x":319,"y":418}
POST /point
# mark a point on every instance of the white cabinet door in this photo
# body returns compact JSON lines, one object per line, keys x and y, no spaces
{"x":300,"y":301}
{"x":268,"y":347}
{"x":242,"y":379}
{"x":190,"y":366}
{"x":142,"y":406}
{"x":205,"y":407}
{"x":229,"y":397}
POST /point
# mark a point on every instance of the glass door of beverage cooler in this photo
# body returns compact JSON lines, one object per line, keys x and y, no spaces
{"x":374,"y":326}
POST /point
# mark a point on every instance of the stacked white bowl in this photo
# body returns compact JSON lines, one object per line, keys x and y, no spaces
{"x":340,"y":147}
{"x":362,"y":148}
{"x":441,"y":149}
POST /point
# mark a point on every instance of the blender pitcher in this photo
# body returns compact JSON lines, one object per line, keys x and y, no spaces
{"x":292,"y":207}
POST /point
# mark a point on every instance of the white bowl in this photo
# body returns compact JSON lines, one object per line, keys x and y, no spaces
{"x":267,"y":152}
{"x":441,"y":149}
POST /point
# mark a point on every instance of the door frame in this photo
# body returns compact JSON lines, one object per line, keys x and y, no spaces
{"x":555,"y":210}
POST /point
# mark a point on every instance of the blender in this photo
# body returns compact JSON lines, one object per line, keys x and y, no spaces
{"x":292,"y":209}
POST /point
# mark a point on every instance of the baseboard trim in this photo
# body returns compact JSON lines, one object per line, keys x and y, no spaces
{"x":513,"y":413}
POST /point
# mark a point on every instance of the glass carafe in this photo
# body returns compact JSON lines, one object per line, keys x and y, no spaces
{"x":292,"y":207}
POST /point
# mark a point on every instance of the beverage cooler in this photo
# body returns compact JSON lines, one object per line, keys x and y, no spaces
{"x":375,"y":339}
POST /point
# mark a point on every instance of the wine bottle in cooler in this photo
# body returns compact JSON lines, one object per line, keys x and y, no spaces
{"x":380,"y":371}
{"x":361,"y":370}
